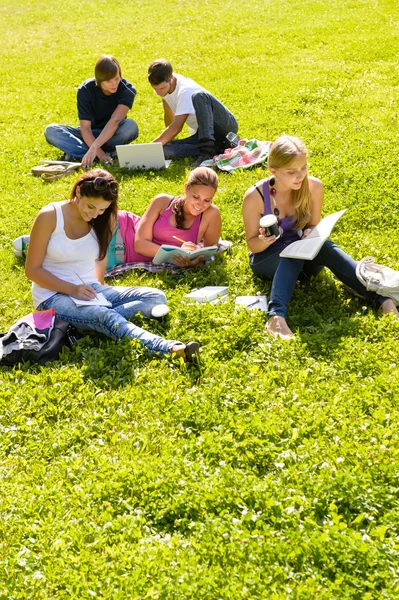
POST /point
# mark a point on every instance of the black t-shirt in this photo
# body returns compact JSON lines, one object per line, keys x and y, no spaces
{"x":95,"y":106}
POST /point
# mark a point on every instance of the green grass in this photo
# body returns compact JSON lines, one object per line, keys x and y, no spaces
{"x":270,"y":471}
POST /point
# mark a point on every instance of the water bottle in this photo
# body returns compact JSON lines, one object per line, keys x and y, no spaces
{"x":233,"y":139}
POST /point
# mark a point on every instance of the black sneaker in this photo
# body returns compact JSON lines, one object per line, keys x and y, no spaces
{"x":206,"y":149}
{"x":200,"y":159}
{"x":192,"y":352}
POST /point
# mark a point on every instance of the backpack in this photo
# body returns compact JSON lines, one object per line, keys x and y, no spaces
{"x":62,"y":334}
{"x":377,"y":278}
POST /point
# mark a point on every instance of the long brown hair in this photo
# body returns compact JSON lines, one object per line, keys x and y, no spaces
{"x":283,"y":152}
{"x":102,"y":224}
{"x":199,"y":176}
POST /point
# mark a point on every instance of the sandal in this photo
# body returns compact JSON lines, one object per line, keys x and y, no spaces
{"x":51,"y":171}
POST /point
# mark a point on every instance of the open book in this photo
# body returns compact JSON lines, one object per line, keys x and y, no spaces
{"x":166,"y":253}
{"x":308,"y":248}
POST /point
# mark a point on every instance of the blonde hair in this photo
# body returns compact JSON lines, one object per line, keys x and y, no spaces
{"x":282,"y":153}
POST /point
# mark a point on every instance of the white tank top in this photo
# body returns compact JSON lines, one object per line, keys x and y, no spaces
{"x":64,"y":257}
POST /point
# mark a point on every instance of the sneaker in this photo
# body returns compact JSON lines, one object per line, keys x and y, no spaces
{"x":206,"y":149}
{"x":192,"y":352}
{"x":159,"y":311}
{"x":200,"y":159}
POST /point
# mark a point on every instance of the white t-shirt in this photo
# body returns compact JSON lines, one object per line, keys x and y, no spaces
{"x":180,"y":100}
{"x":66,"y":257}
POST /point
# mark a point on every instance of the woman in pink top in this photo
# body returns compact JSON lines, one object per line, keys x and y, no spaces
{"x":192,"y":218}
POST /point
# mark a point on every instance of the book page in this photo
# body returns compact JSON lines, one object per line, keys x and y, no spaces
{"x":309,"y":247}
{"x":326,"y":225}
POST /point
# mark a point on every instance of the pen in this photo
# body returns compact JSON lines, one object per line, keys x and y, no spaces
{"x":179,"y":239}
{"x":84,"y":283}
{"x":253,"y":303}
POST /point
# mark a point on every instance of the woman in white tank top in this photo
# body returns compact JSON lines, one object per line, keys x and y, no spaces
{"x":66,"y":260}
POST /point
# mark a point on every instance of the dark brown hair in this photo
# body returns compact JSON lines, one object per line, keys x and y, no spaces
{"x":106,"y":68}
{"x":104,"y":223}
{"x":200,"y":176}
{"x":159,"y":71}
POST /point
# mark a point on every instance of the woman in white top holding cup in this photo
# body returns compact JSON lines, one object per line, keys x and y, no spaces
{"x":295,"y":201}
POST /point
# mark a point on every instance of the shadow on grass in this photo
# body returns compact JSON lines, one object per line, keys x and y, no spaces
{"x":110,"y":364}
{"x":213,"y":273}
{"x":323,"y":311}
{"x":176,"y":170}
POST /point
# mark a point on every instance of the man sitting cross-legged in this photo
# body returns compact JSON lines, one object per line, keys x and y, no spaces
{"x":185,"y":101}
{"x":103,"y":103}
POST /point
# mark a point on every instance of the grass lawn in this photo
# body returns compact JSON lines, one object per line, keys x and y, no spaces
{"x":270,"y":471}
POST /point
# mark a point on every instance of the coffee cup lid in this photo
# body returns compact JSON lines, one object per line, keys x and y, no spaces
{"x":267,"y":220}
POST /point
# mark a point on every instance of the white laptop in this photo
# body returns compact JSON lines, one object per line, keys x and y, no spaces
{"x":142,"y":156}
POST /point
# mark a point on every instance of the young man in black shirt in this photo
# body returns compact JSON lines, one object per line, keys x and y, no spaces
{"x":103,"y":103}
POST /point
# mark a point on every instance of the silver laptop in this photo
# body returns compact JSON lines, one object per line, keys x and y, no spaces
{"x":142,"y":156}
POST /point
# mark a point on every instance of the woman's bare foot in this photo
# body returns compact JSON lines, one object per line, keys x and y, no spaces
{"x":388,"y":306}
{"x":278,"y":328}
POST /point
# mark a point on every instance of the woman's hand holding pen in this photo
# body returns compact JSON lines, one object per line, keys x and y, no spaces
{"x":84,"y":291}
{"x":185,"y":261}
{"x":190,"y":247}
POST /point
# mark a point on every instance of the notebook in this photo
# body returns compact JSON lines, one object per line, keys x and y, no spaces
{"x":99,"y":300}
{"x":209,"y":293}
{"x":142,"y":157}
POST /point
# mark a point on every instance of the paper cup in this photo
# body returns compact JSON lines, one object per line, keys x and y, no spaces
{"x":269,"y":224}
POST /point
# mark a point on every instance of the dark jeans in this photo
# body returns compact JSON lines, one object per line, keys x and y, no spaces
{"x":284,"y":272}
{"x":214,"y":123}
{"x":70,"y":140}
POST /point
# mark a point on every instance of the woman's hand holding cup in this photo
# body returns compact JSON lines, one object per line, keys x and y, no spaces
{"x":268,"y":239}
{"x":269,"y":231}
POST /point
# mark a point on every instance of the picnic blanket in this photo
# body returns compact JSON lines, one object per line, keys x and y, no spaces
{"x":247,"y":154}
{"x":149,"y":266}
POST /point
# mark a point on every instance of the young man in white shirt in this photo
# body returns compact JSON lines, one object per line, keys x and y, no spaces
{"x":185,"y":101}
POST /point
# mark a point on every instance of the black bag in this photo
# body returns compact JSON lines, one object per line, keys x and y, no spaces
{"x":62,"y":334}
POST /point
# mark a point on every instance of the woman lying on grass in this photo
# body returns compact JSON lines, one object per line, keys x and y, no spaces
{"x":190,"y":221}
{"x":66,"y":259}
{"x":296,"y":199}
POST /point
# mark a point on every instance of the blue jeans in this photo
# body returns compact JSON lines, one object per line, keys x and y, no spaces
{"x":113,"y":322}
{"x":214,"y":123}
{"x":284,"y":273}
{"x":70,"y":140}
